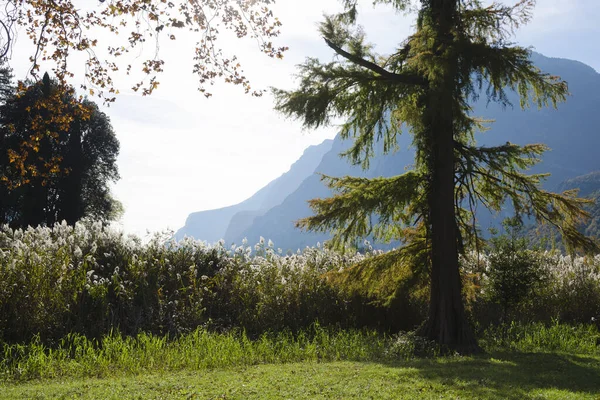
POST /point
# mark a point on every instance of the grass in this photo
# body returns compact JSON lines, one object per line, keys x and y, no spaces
{"x":114,"y":355}
{"x":538,"y":337}
{"x":522,"y":362}
{"x":497,"y":376}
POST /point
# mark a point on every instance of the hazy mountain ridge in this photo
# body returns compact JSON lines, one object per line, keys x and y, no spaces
{"x":212,"y":225}
{"x":571,"y":132}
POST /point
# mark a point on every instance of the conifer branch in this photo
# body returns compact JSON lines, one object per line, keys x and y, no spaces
{"x":407,"y":79}
{"x":349,"y":213}
{"x":492,"y":175}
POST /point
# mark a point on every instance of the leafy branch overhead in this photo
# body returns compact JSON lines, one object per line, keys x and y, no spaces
{"x":105,"y":33}
{"x":60,"y":28}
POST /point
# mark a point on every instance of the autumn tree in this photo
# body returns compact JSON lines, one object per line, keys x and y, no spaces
{"x":82,"y":151}
{"x":106,"y":31}
{"x":459,"y":51}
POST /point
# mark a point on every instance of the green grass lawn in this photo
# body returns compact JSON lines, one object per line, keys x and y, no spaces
{"x":494,"y":376}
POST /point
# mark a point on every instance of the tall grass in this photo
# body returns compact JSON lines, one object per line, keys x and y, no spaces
{"x":90,"y":280}
{"x":539,"y":337}
{"x":78,"y":356}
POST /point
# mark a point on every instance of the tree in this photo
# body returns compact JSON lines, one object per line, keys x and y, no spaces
{"x":60,"y":28}
{"x":515,"y":270}
{"x":82,"y":151}
{"x":460,"y":49}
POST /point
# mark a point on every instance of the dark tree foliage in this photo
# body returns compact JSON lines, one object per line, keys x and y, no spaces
{"x":79,"y":160}
{"x":459,"y":51}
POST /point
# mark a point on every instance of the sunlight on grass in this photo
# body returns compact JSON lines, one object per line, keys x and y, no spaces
{"x":504,"y":376}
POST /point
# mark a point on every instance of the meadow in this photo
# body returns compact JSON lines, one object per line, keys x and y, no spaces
{"x":87,"y":312}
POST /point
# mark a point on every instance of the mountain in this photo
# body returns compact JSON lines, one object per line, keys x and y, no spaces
{"x":278,"y":223}
{"x":571,"y":131}
{"x":213,"y":225}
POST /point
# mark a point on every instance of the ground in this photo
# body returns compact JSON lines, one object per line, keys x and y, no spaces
{"x":491,"y":376}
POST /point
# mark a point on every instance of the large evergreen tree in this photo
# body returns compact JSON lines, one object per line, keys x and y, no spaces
{"x":460,"y":49}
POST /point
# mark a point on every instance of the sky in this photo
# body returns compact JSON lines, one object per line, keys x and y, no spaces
{"x":182,"y":153}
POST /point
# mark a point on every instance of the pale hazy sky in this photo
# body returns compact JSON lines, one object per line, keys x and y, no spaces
{"x":182,"y":153}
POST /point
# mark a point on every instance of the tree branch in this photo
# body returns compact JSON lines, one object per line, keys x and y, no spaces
{"x":399,"y":78}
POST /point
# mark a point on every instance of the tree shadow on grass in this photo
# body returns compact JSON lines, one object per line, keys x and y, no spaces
{"x":512,"y":375}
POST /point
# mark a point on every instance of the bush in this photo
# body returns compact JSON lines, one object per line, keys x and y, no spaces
{"x":269,"y":291}
{"x":514,"y":271}
{"x":513,"y":283}
{"x":572,"y":291}
{"x":92,"y":280}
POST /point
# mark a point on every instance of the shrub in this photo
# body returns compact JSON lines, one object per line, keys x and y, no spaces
{"x":514,"y":271}
{"x":563,"y":288}
{"x":92,"y":280}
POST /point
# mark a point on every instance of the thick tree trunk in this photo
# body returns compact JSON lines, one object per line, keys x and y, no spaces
{"x":447,"y":323}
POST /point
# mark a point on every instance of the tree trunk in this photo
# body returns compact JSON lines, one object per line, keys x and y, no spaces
{"x":71,"y":205}
{"x":447,"y":323}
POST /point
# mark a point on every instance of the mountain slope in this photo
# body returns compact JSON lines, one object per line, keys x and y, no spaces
{"x":211,"y":225}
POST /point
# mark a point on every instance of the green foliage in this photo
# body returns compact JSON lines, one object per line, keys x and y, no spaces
{"x":359,"y":199}
{"x":539,"y":337}
{"x":46,"y":178}
{"x":563,"y":288}
{"x":92,"y":280}
{"x":459,"y":50}
{"x":515,"y":272}
{"x":113,"y":355}
{"x":268,"y":291}
{"x":572,"y":290}
{"x":378,"y":94}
